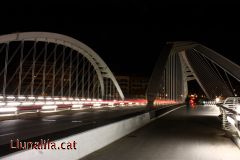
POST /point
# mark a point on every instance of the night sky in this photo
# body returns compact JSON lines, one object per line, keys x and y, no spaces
{"x":129,"y":36}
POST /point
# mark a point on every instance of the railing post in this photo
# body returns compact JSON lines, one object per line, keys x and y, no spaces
{"x":224,"y":121}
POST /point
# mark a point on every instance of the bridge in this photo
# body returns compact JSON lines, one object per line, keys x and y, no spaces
{"x":42,"y":70}
{"x":55,"y":86}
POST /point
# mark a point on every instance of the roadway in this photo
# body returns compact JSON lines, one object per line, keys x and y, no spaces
{"x":61,"y":124}
{"x":185,"y":134}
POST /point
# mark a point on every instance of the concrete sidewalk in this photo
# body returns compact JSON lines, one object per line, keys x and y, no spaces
{"x":189,"y":133}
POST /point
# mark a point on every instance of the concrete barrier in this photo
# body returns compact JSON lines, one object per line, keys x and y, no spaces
{"x":86,"y":142}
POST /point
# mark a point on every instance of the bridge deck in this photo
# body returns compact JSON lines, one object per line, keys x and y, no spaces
{"x":187,"y":133}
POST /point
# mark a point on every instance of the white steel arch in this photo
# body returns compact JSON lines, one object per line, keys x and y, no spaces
{"x":99,"y":65}
{"x":196,"y":62}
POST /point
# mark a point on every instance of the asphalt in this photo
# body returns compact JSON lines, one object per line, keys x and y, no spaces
{"x":60,"y":124}
{"x":188,"y":133}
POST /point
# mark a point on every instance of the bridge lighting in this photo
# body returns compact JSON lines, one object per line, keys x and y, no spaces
{"x":70,"y":99}
{"x":39,"y":103}
{"x":77,"y":105}
{"x":50,"y":103}
{"x":27,"y":103}
{"x":56,"y":98}
{"x":94,"y":100}
{"x":48,"y":98}
{"x":97,"y":105}
{"x":2,"y":103}
{"x":77,"y":99}
{"x":49,"y":107}
{"x":83,"y":99}
{"x":74,"y":102}
{"x":88,"y":99}
{"x":8,"y":109}
{"x":40,"y":98}
{"x":67,"y":102}
{"x":64,"y":98}
{"x":10,"y":97}
{"x":21,"y":97}
{"x":110,"y":103}
{"x":13,"y":103}
{"x":58,"y":102}
{"x":31,"y":97}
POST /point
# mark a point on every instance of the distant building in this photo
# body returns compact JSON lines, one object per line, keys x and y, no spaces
{"x":133,"y":86}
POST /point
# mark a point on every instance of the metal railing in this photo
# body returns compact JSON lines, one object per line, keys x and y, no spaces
{"x":230,"y":119}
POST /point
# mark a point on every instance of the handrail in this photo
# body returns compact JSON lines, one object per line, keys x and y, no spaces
{"x":228,"y":109}
{"x":230,"y":119}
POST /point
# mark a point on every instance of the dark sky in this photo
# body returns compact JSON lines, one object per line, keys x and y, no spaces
{"x":129,"y":36}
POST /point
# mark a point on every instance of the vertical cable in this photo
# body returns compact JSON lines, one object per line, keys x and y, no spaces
{"x":5,"y":70}
{"x":54,"y":70}
{"x":62,"y":75}
{"x":44,"y":68}
{"x":33,"y":66}
{"x":70,"y":74}
{"x":83,"y":73}
{"x":20,"y":69}
{"x":76,"y":92}
{"x":88,"y":81}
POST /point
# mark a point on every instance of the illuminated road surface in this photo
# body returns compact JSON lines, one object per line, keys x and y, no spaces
{"x":185,"y":134}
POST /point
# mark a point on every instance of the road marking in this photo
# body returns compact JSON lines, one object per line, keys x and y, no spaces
{"x":77,"y":121}
{"x":169,"y":112}
{"x":49,"y":120}
{"x":6,"y":134}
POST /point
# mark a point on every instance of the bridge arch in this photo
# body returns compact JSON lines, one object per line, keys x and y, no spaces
{"x":180,"y":62}
{"x":100,"y":67}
